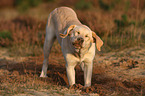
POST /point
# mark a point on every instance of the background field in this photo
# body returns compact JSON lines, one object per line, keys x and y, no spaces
{"x":119,"y":69}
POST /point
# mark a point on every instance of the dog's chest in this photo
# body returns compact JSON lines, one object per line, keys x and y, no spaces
{"x":80,"y":55}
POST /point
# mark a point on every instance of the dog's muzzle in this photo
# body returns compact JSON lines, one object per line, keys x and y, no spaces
{"x":78,"y":43}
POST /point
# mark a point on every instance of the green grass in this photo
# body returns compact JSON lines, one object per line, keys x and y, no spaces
{"x":24,"y":5}
{"x":5,"y":34}
{"x":83,"y":5}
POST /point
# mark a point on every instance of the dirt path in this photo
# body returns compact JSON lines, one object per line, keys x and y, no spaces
{"x":127,"y":64}
{"x":115,"y":73}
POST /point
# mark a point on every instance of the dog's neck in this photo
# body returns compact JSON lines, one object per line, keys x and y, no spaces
{"x":81,"y":52}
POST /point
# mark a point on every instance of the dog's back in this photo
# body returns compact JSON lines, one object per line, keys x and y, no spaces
{"x":63,"y":17}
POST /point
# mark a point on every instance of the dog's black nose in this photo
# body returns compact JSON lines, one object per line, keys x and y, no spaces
{"x":80,"y":39}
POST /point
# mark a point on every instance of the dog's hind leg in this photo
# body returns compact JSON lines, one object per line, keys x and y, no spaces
{"x":49,"y":40}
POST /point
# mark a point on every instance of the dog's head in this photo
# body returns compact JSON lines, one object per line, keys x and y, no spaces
{"x":82,"y":36}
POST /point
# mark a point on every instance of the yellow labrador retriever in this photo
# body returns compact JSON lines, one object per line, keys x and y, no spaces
{"x":77,"y":43}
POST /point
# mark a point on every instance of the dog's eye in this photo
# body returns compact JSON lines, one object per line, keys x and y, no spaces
{"x":78,"y":32}
{"x":86,"y":36}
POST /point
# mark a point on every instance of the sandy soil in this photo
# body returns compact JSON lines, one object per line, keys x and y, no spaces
{"x":116,"y":74}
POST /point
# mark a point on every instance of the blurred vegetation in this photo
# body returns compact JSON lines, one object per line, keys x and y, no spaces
{"x":124,"y":22}
{"x":83,"y":5}
{"x":5,"y":34}
{"x":105,"y":6}
{"x":23,"y":5}
{"x":120,"y":23}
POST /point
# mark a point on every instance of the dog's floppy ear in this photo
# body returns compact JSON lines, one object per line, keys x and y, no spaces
{"x":99,"y":42}
{"x":68,"y":30}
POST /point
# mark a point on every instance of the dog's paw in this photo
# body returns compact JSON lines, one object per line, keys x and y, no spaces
{"x":43,"y":76}
{"x":76,"y":86}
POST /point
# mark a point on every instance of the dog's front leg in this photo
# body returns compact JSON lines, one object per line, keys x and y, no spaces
{"x":88,"y":67}
{"x":70,"y":73}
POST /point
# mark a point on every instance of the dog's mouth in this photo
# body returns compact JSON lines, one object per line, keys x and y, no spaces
{"x":77,"y":45}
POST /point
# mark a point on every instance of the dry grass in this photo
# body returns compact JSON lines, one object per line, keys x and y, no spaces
{"x":24,"y":34}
